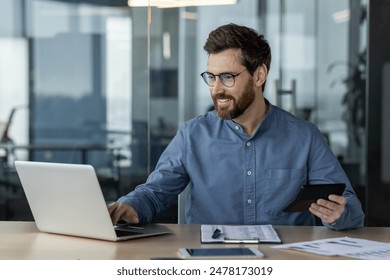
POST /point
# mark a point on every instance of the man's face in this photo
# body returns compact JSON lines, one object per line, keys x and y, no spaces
{"x":230,"y":102}
{"x":229,"y":106}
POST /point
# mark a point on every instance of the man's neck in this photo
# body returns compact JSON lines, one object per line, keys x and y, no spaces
{"x":253,"y":116}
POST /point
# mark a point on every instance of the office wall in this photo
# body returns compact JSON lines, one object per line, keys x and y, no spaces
{"x":378,"y":116}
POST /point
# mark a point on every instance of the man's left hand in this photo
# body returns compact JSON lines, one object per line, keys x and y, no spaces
{"x":329,"y":211}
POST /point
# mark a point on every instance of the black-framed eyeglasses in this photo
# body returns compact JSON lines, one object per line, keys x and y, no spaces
{"x":227,"y":79}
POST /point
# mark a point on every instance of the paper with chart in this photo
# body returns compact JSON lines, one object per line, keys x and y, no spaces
{"x":343,"y":246}
{"x":239,"y":234}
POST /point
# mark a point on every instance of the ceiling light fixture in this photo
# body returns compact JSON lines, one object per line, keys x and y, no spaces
{"x":341,"y":16}
{"x":178,"y":3}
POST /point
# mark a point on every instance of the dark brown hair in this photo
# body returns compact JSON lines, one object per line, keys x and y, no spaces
{"x":255,"y":49}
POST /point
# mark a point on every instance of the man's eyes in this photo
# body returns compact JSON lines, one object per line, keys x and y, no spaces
{"x":227,"y":76}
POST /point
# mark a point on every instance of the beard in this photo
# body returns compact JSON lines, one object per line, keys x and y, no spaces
{"x":239,"y":105}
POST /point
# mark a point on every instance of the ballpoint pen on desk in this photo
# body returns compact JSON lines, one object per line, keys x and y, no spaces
{"x":216,"y":234}
{"x":245,"y":241}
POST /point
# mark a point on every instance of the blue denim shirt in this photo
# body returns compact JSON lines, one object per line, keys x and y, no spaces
{"x":238,"y":179}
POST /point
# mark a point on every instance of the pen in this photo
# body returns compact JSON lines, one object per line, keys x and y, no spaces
{"x":245,"y":241}
{"x":216,"y":234}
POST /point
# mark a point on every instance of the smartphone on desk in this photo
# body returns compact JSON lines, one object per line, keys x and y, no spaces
{"x":220,"y":253}
{"x":310,"y":193}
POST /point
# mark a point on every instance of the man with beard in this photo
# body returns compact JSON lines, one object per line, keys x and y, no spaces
{"x":244,"y":162}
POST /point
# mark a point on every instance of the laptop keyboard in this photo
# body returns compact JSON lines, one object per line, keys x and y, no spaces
{"x":120,"y":233}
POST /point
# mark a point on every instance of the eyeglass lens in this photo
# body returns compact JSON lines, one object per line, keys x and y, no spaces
{"x":227,"y":79}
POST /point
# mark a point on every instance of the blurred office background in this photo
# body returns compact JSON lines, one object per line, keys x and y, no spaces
{"x":105,"y":83}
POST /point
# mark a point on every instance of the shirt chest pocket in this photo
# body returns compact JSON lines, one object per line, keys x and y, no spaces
{"x":280,"y":187}
{"x":286,"y":174}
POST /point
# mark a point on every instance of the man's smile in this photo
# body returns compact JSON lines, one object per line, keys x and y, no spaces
{"x":224,"y":100}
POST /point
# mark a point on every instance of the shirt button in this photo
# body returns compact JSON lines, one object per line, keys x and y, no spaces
{"x":249,"y":173}
{"x":249,"y":201}
{"x":237,"y":127}
{"x":248,"y":144}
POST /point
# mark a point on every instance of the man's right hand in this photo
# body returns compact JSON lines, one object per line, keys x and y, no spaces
{"x":120,"y":211}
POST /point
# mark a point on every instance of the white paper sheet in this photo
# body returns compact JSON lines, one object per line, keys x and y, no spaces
{"x":343,"y":246}
{"x":240,"y":234}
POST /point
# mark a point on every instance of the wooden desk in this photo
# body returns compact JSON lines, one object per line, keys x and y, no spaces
{"x":21,"y":240}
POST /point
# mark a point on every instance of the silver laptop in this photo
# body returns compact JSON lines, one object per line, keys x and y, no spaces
{"x":67,"y":199}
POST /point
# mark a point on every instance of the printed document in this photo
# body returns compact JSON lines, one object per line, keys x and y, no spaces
{"x":343,"y":246}
{"x":239,"y":234}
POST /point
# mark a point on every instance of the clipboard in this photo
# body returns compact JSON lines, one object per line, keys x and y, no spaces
{"x":310,"y":193}
{"x":236,"y":234}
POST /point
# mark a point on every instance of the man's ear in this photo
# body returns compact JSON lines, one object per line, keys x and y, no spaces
{"x":261,"y":75}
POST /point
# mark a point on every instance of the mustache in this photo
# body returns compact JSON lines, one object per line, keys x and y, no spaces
{"x":223,"y":96}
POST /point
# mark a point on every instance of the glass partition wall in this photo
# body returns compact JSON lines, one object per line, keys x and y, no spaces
{"x":102,"y":83}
